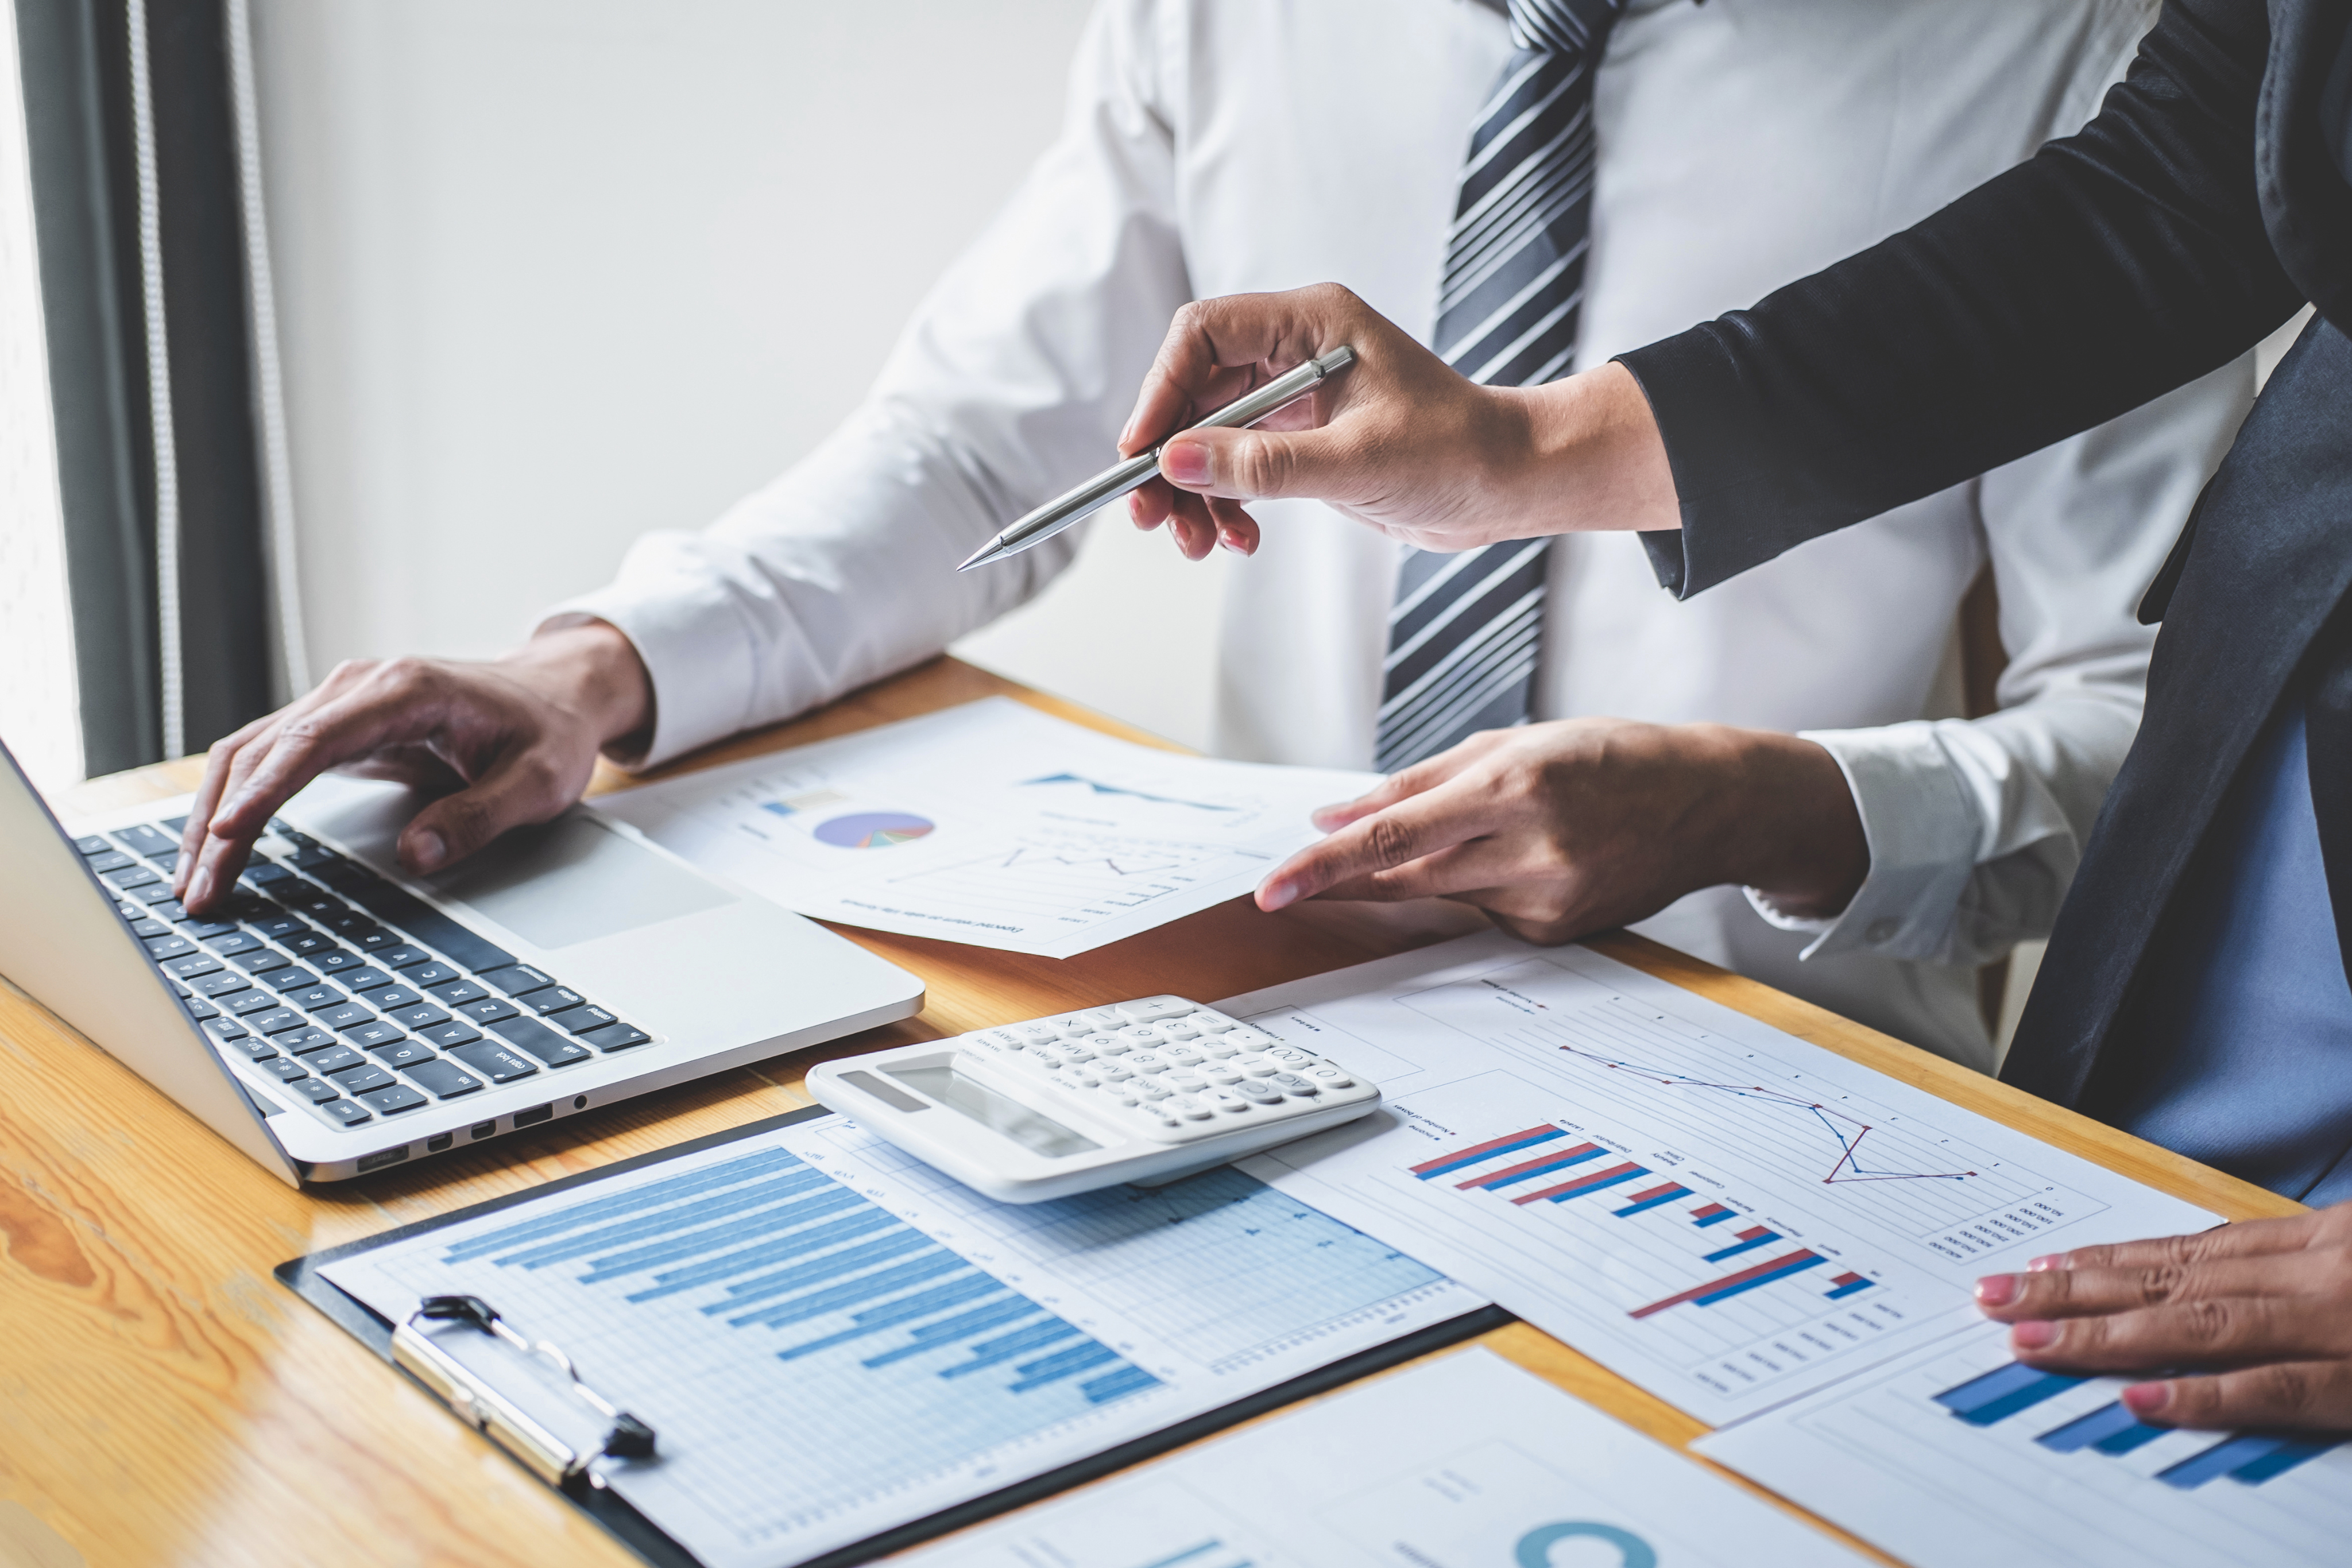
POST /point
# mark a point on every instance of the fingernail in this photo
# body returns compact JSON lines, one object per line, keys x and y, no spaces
{"x":427,"y":850}
{"x":1997,"y":1290}
{"x":1186,"y":462}
{"x":1276,"y":895}
{"x":200,"y":886}
{"x":2046,"y":1262}
{"x":2147,"y":1398}
{"x":2034,"y":1334}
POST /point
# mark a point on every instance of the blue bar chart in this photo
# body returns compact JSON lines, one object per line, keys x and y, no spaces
{"x":2248,"y":1458}
{"x":793,"y":1249}
{"x":822,"y":1330}
{"x":1956,"y":1456}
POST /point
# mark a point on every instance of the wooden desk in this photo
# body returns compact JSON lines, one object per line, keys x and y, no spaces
{"x":163,"y":1400}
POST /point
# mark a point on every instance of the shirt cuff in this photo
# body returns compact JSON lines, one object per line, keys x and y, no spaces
{"x":686,"y":634}
{"x":1922,"y":832}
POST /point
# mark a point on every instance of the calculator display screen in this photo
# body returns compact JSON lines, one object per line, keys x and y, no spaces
{"x":1032,"y":1129}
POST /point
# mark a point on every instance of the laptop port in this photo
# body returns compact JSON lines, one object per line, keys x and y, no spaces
{"x":535,"y":1116}
{"x":483,"y":1129}
{"x":377,"y":1161}
{"x":438,"y":1142}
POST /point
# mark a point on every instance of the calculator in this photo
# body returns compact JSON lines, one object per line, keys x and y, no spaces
{"x":1143,"y":1092}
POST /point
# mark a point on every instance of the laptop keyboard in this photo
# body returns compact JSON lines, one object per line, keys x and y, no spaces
{"x":358,"y":999}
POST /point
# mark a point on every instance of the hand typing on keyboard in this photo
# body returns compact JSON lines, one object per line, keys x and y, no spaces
{"x":511,"y":741}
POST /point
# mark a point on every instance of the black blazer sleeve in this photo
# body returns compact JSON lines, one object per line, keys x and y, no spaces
{"x":2107,"y":269}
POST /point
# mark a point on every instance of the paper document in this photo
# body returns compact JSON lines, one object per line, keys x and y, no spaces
{"x":832,"y":1339}
{"x":1957,"y":1456}
{"x":1460,"y":1461}
{"x":990,"y":823}
{"x":1723,"y":1213}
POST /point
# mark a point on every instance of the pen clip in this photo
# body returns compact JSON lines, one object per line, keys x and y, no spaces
{"x":499,"y":1418}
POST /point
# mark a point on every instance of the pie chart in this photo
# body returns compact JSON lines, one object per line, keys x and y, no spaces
{"x":872,"y":829}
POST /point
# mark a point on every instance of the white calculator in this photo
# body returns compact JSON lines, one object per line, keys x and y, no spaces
{"x":1142,"y":1092}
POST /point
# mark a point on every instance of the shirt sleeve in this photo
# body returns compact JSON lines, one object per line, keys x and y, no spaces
{"x":1010,"y":385}
{"x":1975,"y":826}
{"x":2112,"y":266}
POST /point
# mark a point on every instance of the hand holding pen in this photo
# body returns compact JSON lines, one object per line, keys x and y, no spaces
{"x":1401,"y":443}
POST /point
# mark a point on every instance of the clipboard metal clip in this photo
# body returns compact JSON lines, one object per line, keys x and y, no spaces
{"x":498,"y":1417}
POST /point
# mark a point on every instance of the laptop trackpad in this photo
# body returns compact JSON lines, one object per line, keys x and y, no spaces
{"x":575,"y":880}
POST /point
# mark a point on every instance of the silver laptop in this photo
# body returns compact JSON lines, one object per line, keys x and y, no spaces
{"x":342,"y":1018}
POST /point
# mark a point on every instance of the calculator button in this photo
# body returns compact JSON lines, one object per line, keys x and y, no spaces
{"x":1084,"y":1079}
{"x":1256,"y":1066}
{"x":1291,"y":1058}
{"x":1332,"y":1078}
{"x":1216,"y":1046}
{"x":1151,"y":1008}
{"x":1211,"y":1023}
{"x":1037,"y":1033}
{"x":1101,"y":1018}
{"x":1110,"y":1044}
{"x":1180,"y":1028}
{"x":1232,"y":1104}
{"x":1192,"y":1110}
{"x":1186,"y":1082}
{"x":1295,"y":1084}
{"x":1263,"y":1093}
{"x":1142,"y":1035}
{"x":1150,"y":1088}
{"x":1112,"y":1072}
{"x":1148,"y":1061}
{"x":1222,"y":1075}
{"x":1073,"y":1050}
{"x":1246,"y":1037}
{"x":1182,"y":1055}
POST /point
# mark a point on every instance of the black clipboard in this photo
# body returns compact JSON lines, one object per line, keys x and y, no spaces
{"x":652,"y":1545}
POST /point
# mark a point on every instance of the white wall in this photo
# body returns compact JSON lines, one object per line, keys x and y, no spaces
{"x":555,"y":272}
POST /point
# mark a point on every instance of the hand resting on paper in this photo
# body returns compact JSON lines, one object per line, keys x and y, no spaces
{"x":2262,"y":1310}
{"x":509,"y":741}
{"x":1398,"y":441}
{"x":1560,"y":829}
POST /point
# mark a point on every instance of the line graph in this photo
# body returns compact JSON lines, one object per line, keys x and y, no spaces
{"x":1848,"y":1168}
{"x":1069,"y":875}
{"x":1657,"y":1075}
{"x":1099,"y":787}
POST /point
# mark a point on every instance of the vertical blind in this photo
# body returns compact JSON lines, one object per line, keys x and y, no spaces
{"x":153,"y":275}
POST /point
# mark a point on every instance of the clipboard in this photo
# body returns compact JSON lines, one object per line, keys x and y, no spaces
{"x":633,"y":1530}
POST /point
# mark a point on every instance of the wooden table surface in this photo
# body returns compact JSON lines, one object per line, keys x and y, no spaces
{"x":163,"y":1400}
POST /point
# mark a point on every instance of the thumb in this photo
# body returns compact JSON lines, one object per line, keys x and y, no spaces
{"x":518,"y":790}
{"x":1259,"y":464}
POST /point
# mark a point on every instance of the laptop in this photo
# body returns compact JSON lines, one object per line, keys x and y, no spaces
{"x":341,"y":1017}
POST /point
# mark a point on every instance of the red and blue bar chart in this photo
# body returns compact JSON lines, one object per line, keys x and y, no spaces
{"x":1546,"y":1164}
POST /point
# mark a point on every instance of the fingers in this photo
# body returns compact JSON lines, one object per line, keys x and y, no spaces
{"x":524,"y":785}
{"x":1407,"y":782}
{"x":2081,"y":1292}
{"x":217,"y":766}
{"x":1262,"y":465}
{"x":1420,"y":826}
{"x":1208,"y":339}
{"x":2246,"y":1239}
{"x":2289,"y":1394}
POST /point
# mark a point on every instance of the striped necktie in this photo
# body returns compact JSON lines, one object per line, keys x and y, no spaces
{"x":1462,"y":632}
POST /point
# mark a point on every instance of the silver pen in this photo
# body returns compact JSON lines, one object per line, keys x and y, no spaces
{"x":1112,"y":483}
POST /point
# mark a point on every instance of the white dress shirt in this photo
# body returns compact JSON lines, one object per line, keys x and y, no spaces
{"x":1223,"y":146}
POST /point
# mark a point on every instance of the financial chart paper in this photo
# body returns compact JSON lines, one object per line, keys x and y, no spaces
{"x":1726,"y":1215}
{"x":1466,"y":1460}
{"x":832,"y":1339}
{"x":1956,"y":1456}
{"x":992,"y":824}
